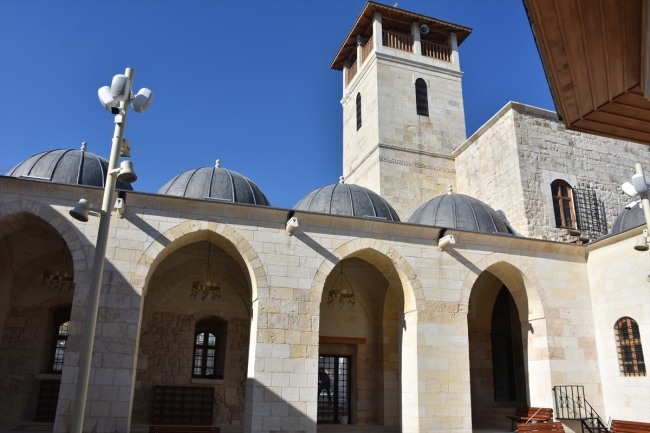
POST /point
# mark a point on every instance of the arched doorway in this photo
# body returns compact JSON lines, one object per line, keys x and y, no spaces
{"x":359,"y":347}
{"x":195,"y":346}
{"x":35,"y":316}
{"x":496,"y":348}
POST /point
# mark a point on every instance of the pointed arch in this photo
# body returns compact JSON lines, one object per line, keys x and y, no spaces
{"x":386,"y":259}
{"x":519,"y":278}
{"x":189,"y":232}
{"x":10,"y":222}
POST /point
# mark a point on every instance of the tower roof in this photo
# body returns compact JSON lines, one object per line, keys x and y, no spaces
{"x":364,"y":22}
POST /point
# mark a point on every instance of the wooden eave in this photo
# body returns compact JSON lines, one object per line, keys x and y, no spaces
{"x":364,"y":22}
{"x":593,"y":54}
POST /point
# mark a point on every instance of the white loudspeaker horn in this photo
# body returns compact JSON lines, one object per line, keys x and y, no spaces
{"x":424,"y":29}
{"x":142,"y":100}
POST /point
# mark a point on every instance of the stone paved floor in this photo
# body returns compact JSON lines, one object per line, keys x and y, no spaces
{"x":7,"y":427}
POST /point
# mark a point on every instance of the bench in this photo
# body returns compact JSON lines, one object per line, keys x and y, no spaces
{"x":629,"y":426}
{"x":525,"y":414}
{"x":541,"y":427}
{"x":182,"y":429}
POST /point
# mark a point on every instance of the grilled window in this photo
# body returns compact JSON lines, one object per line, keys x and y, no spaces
{"x":563,"y":205}
{"x":358,"y":111}
{"x":60,"y":344}
{"x":209,"y":348}
{"x":630,"y":352}
{"x":421,"y":98}
{"x":205,"y":349}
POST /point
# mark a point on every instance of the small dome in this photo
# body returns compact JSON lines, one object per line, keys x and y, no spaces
{"x":628,"y":219}
{"x":74,"y":167}
{"x":350,"y":200}
{"x":215,"y":183}
{"x":458,"y":211}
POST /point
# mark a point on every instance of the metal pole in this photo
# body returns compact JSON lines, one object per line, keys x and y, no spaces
{"x":638,"y":169}
{"x":98,"y":269}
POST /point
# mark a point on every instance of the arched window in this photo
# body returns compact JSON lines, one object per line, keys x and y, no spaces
{"x":565,"y":217}
{"x":421,"y":98}
{"x":630,"y":352}
{"x":209,"y":348}
{"x":61,"y":330}
{"x":358,"y":111}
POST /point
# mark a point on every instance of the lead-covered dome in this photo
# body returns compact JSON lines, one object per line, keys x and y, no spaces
{"x":215,"y":183}
{"x":459,"y":211}
{"x":74,"y":167}
{"x":349,"y":200}
{"x":628,"y":219}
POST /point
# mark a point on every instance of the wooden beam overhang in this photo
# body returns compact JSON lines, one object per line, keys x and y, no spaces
{"x":363,"y":27}
{"x":593,"y":53}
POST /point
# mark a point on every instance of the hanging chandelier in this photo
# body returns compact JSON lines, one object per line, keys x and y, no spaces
{"x":340,"y":293}
{"x":58,"y":280}
{"x":208,"y":288}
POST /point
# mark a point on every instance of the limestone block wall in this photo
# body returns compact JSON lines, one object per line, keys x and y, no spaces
{"x":399,"y":154}
{"x":399,"y":123}
{"x":287,"y":277}
{"x":357,"y":144}
{"x":545,"y":151}
{"x":617,"y":277}
{"x":22,"y":354}
{"x":487,"y":168}
{"x":165,"y":358}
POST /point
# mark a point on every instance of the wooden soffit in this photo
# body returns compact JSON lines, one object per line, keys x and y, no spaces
{"x":363,"y":27}
{"x":593,"y":55}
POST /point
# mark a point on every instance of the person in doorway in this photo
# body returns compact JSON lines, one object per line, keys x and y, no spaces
{"x":324,"y":383}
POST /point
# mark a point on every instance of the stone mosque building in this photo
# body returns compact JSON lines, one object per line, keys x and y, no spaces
{"x":441,"y":281}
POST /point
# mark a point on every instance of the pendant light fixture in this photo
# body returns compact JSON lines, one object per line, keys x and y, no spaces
{"x":340,"y":293}
{"x":208,"y":288}
{"x":58,"y":280}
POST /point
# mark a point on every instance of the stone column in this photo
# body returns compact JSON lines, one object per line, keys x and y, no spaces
{"x":346,"y":69}
{"x":415,"y":31}
{"x":359,"y":54}
{"x":538,"y":367}
{"x":282,"y":383}
{"x":453,"y":45}
{"x":377,"y":32}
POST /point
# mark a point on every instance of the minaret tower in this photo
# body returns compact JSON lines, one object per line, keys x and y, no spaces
{"x":402,"y":104}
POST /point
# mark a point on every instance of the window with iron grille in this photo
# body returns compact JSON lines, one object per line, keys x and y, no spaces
{"x":61,"y":330}
{"x":590,"y":211}
{"x":209,"y":348}
{"x":358,"y":111}
{"x":563,"y":205}
{"x":421,"y":97}
{"x":630,"y":352}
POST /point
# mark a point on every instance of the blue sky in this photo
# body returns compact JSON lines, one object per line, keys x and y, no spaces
{"x":247,"y":82}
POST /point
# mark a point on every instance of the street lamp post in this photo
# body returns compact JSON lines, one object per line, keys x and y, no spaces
{"x":118,"y":104}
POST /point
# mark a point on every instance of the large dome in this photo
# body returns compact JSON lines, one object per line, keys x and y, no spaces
{"x":458,"y":211}
{"x":215,"y":183}
{"x":350,"y":200}
{"x":628,"y":219}
{"x":75,"y":167}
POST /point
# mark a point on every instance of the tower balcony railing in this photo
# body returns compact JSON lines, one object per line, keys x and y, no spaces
{"x":437,"y":51}
{"x":399,"y":41}
{"x":351,"y":73}
{"x":367,"y":49}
